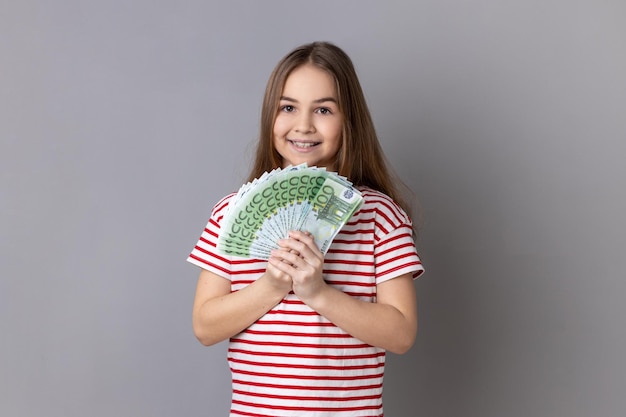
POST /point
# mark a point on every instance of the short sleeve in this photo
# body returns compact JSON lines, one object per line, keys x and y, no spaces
{"x":395,"y":255}
{"x":204,"y":253}
{"x":394,"y":248}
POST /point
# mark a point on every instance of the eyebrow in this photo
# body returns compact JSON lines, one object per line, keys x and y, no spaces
{"x":319,"y":100}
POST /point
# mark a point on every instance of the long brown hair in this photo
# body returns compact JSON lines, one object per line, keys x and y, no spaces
{"x":360,"y":157}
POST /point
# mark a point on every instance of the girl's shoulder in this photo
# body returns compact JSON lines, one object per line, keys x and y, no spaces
{"x":368,"y":193}
{"x":372,"y":196}
{"x":222,"y":205}
{"x":381,"y":204}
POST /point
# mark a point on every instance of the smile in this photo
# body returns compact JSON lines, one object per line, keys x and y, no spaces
{"x":303,"y":145}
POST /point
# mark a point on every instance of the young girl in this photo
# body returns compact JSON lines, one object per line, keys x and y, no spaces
{"x":308,"y":333}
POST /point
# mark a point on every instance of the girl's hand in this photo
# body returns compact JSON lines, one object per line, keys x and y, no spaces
{"x":300,"y":258}
{"x":278,"y":279}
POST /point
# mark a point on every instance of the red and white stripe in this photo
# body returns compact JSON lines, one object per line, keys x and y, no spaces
{"x":293,"y":361}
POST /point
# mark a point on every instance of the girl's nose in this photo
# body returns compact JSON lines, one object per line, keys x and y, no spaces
{"x":304,"y":124}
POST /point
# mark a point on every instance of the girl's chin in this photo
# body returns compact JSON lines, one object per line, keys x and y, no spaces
{"x":294,"y":162}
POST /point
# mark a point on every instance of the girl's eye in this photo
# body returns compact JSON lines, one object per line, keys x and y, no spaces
{"x":324,"y":110}
{"x":287,"y":108}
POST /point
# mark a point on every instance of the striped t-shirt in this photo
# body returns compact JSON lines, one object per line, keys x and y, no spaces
{"x":293,"y":361}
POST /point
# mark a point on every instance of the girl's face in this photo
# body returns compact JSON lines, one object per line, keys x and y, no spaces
{"x":308,"y":125}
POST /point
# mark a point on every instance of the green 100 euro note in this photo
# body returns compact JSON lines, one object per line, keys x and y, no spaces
{"x":295,"y":198}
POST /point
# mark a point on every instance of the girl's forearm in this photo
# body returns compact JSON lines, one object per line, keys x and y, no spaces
{"x":378,"y":324}
{"x":224,"y":316}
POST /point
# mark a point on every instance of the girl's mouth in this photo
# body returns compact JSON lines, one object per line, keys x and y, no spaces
{"x":303,"y":145}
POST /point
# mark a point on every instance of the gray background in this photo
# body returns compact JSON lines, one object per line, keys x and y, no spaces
{"x":123,"y":122}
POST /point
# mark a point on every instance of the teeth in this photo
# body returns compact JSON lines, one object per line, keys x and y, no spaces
{"x":304,"y":144}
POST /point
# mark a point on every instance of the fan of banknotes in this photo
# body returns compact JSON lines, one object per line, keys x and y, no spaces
{"x":293,"y":198}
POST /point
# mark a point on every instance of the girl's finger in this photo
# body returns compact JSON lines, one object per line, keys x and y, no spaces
{"x":308,"y":242}
{"x":287,"y":256}
{"x":293,"y":245}
{"x":302,"y":236}
{"x":281,"y":264}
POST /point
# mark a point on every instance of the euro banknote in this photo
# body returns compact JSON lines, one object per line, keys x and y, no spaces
{"x":294,"y":198}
